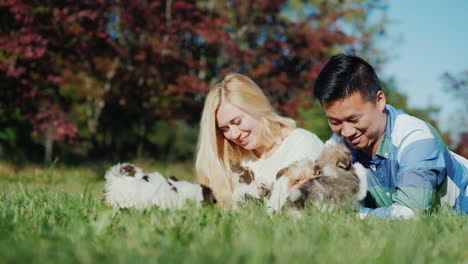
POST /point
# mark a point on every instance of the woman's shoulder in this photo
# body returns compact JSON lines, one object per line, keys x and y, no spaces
{"x":299,"y":144}
{"x":302,"y":135}
{"x":301,"y":140}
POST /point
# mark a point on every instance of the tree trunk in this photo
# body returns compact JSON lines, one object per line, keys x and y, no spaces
{"x":177,"y":127}
{"x":97,"y":102}
{"x":48,"y":143}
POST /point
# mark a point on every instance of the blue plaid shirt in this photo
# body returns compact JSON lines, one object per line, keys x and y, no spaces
{"x":411,"y":166}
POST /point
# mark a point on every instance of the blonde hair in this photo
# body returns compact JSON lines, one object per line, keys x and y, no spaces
{"x":215,"y":154}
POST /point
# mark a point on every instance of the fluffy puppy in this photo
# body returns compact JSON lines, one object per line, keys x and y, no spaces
{"x":128,"y":186}
{"x":330,"y":181}
{"x":246,"y":187}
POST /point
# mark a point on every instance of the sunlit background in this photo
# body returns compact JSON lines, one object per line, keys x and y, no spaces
{"x":126,"y":80}
{"x":428,"y":39}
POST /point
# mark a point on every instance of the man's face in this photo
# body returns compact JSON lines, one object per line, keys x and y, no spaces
{"x":359,"y":122}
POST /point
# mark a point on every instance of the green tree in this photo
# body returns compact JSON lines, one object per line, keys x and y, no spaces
{"x":457,"y":86}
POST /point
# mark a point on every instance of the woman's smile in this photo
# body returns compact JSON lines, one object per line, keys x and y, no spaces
{"x":238,"y":126}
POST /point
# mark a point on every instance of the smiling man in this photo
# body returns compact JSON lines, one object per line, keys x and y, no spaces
{"x":409,"y":166}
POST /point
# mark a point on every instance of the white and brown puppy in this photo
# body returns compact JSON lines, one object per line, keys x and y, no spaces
{"x":128,"y":186}
{"x":330,"y":181}
{"x":247,"y":187}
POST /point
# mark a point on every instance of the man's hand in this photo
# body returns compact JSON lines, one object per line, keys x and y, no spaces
{"x":393,"y":211}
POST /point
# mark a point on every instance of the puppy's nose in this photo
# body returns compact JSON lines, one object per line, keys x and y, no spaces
{"x":146,"y":178}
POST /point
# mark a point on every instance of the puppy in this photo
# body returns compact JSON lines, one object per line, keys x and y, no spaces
{"x":246,"y":187}
{"x":330,"y":181}
{"x":128,"y":186}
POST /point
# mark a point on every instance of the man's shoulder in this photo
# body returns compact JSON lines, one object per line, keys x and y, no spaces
{"x":410,"y":134}
{"x":407,"y":128}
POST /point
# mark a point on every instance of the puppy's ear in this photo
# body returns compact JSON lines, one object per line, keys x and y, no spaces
{"x":281,"y":173}
{"x":343,"y":158}
{"x":317,"y":170}
{"x":128,"y":170}
{"x":173,"y":178}
{"x":208,"y":197}
{"x":246,"y":176}
{"x":171,"y":182}
{"x":344,"y":162}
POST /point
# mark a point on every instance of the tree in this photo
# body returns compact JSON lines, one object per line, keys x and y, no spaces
{"x":457,"y":85}
{"x":40,"y":42}
{"x":98,"y":76}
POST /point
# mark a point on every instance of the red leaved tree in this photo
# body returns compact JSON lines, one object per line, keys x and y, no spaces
{"x":41,"y":41}
{"x":457,"y":85}
{"x":102,"y":72}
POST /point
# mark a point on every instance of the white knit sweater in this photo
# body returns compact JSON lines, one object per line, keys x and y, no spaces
{"x":299,"y":144}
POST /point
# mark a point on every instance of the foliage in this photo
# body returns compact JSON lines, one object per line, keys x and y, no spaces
{"x":49,"y":224}
{"x":314,"y":119}
{"x":93,"y":79}
{"x":39,"y":43}
{"x":400,"y":101}
{"x":175,"y":140}
{"x":457,"y":86}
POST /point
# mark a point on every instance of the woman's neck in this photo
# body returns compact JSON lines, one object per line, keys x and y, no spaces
{"x":265,"y":152}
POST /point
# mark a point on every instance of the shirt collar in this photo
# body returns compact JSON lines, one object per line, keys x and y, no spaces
{"x":385,"y":146}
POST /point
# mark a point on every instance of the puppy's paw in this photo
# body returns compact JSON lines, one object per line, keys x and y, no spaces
{"x":294,"y":212}
{"x":295,"y":195}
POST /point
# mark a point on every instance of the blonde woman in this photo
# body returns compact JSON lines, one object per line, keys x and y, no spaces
{"x":240,"y":127}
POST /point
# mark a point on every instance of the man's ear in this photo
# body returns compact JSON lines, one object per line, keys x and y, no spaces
{"x":381,"y":101}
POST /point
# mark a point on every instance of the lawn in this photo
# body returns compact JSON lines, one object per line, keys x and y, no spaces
{"x":55,"y":215}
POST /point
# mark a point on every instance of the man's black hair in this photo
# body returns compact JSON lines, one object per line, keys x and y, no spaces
{"x":343,"y":75}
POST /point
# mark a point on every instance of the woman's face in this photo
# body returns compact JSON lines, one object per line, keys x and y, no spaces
{"x":238,"y":126}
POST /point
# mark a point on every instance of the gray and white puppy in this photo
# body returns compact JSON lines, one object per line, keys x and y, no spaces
{"x":330,"y":181}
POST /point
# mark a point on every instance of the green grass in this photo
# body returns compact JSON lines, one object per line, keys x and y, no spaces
{"x":54,"y":215}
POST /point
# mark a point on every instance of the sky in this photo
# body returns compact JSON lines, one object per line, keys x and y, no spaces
{"x":432,"y":39}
